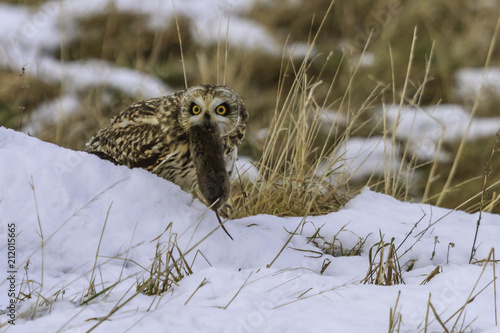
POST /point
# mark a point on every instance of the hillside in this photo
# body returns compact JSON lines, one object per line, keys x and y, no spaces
{"x":84,"y":226}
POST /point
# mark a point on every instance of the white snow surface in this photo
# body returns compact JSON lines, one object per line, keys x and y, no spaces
{"x":360,"y":158}
{"x":245,"y":169}
{"x":423,"y":127}
{"x":468,"y":81}
{"x":238,"y":288}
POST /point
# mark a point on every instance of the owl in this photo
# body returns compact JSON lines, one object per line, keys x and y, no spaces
{"x":190,"y":138}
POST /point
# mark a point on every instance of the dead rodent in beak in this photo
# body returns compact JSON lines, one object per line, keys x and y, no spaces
{"x":208,"y":155}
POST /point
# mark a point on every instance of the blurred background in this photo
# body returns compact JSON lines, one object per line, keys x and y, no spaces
{"x":401,"y":87}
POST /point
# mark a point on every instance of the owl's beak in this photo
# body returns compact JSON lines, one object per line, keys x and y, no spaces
{"x":207,"y":118}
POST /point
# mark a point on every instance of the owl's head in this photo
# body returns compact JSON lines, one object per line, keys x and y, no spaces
{"x":211,"y":105}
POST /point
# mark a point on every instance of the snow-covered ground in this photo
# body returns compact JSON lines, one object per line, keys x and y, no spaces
{"x":67,"y":201}
{"x":245,"y":285}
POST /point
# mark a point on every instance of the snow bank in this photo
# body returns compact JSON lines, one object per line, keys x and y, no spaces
{"x":74,"y":192}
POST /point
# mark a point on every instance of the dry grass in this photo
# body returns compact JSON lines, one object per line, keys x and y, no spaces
{"x":469,"y":178}
{"x":384,"y":268}
{"x":290,"y":183}
{"x":98,"y":105}
{"x":289,"y":95}
{"x":20,"y":93}
{"x":33,"y":3}
{"x":168,"y":268}
{"x":457,"y":321}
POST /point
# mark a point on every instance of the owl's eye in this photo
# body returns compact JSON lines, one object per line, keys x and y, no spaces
{"x":221,"y":110}
{"x":195,"y":109}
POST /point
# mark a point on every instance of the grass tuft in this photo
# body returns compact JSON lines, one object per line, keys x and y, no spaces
{"x":384,"y":269}
{"x":168,"y":268}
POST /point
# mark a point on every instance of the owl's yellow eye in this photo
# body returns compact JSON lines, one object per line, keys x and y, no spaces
{"x":221,"y":110}
{"x":195,"y":109}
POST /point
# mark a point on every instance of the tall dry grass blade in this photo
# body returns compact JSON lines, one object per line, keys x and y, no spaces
{"x":495,"y":287}
{"x":226,"y":52}
{"x":32,"y":185}
{"x":391,"y":188}
{"x":475,"y":107}
{"x":91,"y":292}
{"x":395,"y":317}
{"x":486,"y":175}
{"x":180,"y":45}
{"x":438,"y":318}
{"x":202,"y":283}
{"x":427,"y":313}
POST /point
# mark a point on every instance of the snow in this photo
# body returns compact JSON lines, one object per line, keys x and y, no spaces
{"x":329,"y":118}
{"x":246,"y":169}
{"x":67,"y":200}
{"x":242,"y":286}
{"x":30,"y":36}
{"x":51,"y":112}
{"x":360,"y":158}
{"x":469,"y":80}
{"x":425,"y":126}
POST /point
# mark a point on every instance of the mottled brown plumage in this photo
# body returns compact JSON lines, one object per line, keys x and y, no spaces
{"x":189,"y":137}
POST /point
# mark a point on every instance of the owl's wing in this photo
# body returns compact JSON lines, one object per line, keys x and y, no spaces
{"x":134,"y":138}
{"x":233,"y":140}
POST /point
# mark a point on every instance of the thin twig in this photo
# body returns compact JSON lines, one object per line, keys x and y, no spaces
{"x":487,"y":171}
{"x":92,"y":277}
{"x":197,"y":288}
{"x":286,"y":243}
{"x":243,"y":285}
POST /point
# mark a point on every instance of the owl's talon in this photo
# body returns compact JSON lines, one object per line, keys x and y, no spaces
{"x":225,"y":211}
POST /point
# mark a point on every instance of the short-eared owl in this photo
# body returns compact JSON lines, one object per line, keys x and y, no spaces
{"x":189,"y":137}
